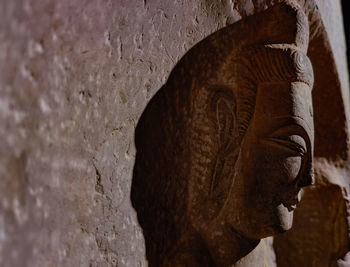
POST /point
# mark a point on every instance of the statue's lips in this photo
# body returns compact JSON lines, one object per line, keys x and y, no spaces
{"x":291,"y":204}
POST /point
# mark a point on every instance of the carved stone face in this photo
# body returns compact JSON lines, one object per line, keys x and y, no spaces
{"x":275,"y":161}
{"x":225,"y":146}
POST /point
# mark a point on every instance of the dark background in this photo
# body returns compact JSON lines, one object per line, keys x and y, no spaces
{"x":346,"y":17}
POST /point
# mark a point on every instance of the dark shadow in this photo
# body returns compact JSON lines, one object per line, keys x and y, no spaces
{"x":346,"y":20}
{"x":163,"y":140}
{"x":160,"y":177}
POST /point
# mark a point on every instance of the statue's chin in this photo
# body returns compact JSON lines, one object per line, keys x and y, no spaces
{"x":285,"y":217}
{"x":279,"y":221}
{"x":283,"y":223}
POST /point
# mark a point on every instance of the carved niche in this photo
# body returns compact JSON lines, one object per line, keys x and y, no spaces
{"x":225,"y":146}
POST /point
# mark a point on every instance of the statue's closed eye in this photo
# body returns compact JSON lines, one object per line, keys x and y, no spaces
{"x":293,"y":144}
{"x":289,"y":155}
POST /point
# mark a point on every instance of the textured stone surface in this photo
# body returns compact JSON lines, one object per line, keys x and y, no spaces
{"x":74,"y":78}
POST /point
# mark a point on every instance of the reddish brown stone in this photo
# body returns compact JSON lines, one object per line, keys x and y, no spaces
{"x":225,"y":146}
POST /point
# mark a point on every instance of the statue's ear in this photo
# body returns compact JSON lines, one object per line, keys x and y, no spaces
{"x":223,"y":109}
{"x":223,"y":105}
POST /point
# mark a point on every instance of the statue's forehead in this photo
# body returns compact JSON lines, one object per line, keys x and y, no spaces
{"x":284,"y":97}
{"x":274,"y":63}
{"x":277,"y":100}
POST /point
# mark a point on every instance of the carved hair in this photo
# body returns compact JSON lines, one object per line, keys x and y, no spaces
{"x":267,"y":64}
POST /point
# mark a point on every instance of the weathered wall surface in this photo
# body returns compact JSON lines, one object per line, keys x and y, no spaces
{"x":75,"y":77}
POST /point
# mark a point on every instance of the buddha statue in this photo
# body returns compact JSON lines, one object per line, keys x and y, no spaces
{"x":225,"y":147}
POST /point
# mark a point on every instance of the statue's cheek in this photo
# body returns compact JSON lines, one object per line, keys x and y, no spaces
{"x":290,"y":168}
{"x":275,"y":170}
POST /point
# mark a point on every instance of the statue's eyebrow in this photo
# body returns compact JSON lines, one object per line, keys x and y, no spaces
{"x":294,"y":129}
{"x":292,"y":125}
{"x":286,"y":144}
{"x":293,"y":120}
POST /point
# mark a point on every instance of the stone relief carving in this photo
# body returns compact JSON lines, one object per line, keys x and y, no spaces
{"x":226,"y":145}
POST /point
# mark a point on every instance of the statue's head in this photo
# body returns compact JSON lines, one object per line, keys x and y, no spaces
{"x":275,"y":158}
{"x":227,"y":143}
{"x":261,"y":154}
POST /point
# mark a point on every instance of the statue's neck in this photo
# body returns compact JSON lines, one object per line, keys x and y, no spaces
{"x":228,"y":247}
{"x":223,"y":247}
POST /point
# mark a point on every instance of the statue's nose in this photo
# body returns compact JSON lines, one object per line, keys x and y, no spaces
{"x":306,"y":179}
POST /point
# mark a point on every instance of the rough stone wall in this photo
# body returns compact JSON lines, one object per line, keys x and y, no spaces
{"x":74,"y":79}
{"x":75,"y":76}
